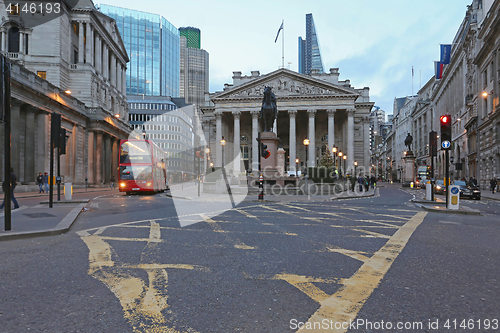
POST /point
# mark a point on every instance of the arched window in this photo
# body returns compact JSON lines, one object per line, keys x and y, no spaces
{"x":14,"y":40}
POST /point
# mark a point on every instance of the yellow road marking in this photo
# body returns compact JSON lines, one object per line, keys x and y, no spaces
{"x":358,"y":255}
{"x":247,"y":214}
{"x":345,"y":304}
{"x":371,"y":233}
{"x":237,"y":243}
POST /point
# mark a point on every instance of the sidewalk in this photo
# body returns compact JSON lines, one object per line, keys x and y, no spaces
{"x":40,"y":220}
{"x":486,"y":194}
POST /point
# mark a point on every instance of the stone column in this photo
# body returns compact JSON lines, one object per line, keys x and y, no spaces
{"x":41,"y":142}
{"x":107,"y":158}
{"x":236,"y":154}
{"x":331,"y":128}
{"x":4,"y":41}
{"x":312,"y":139}
{"x":118,"y":83}
{"x":99,"y":159}
{"x":92,"y":48}
{"x":21,"y":43}
{"x":255,"y":144}
{"x":15,"y":141}
{"x":112,"y":73}
{"x":29,"y":144}
{"x":114,"y":158}
{"x":218,"y":137}
{"x":98,"y":54}
{"x":350,"y":139}
{"x":105,"y":61}
{"x":88,"y":50}
{"x":293,"y":140}
{"x":81,"y":47}
{"x":366,"y":143}
{"x":91,"y":153}
{"x":124,"y":80}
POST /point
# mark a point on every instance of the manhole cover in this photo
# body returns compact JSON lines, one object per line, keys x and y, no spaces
{"x":39,"y":215}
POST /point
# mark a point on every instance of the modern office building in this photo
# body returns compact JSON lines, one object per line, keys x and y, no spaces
{"x":193,"y":36}
{"x":309,"y":51}
{"x":169,"y":123}
{"x":152,"y":43}
{"x":194,"y":67}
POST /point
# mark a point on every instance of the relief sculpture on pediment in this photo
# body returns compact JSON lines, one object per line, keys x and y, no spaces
{"x":284,"y":87}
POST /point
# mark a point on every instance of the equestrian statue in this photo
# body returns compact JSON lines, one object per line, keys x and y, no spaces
{"x":268,"y":111}
{"x":408,"y":141}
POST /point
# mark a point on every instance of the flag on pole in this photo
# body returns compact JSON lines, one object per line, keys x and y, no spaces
{"x":445,"y":53}
{"x":281,"y":28}
{"x":412,"y":74}
{"x":438,"y":69}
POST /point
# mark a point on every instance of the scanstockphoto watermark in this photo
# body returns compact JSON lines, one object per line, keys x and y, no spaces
{"x":358,"y":324}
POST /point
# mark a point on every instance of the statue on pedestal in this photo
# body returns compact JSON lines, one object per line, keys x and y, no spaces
{"x":408,"y":141}
{"x":268,"y":111}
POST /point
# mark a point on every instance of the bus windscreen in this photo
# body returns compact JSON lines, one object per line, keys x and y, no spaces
{"x":135,"y":152}
{"x":139,"y":172}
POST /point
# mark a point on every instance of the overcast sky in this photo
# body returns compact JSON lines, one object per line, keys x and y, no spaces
{"x":373,"y":43}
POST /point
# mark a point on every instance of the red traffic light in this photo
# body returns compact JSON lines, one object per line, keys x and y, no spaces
{"x":444,"y":119}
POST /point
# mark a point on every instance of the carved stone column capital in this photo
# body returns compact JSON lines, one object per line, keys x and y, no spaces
{"x":255,"y":113}
{"x":292,"y":113}
{"x":331,"y":111}
{"x":311,"y":113}
{"x":218,"y":115}
{"x":350,"y":111}
{"x":236,"y":113}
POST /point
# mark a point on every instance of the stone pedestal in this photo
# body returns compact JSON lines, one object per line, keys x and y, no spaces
{"x":269,"y":165}
{"x":409,"y":167}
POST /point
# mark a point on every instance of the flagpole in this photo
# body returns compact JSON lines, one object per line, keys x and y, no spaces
{"x":412,"y":81}
{"x":283,"y":45}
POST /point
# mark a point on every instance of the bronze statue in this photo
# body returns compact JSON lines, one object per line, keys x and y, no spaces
{"x":408,"y":141}
{"x":268,"y":111}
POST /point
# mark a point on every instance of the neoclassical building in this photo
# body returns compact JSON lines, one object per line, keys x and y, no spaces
{"x":73,"y":65}
{"x":318,"y":106}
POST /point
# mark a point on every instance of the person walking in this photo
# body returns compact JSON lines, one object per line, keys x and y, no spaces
{"x":13,"y":181}
{"x":493,"y":184}
{"x":112,"y":181}
{"x":39,"y":181}
{"x":361,"y":181}
{"x":46,"y":182}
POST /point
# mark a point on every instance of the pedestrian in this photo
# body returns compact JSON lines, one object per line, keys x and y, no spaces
{"x":112,"y":181}
{"x":46,"y":182}
{"x":361,"y":181}
{"x":373,"y":181}
{"x":39,"y":181}
{"x":13,"y":181}
{"x":473,"y":181}
{"x":493,"y":184}
{"x":367,"y":183}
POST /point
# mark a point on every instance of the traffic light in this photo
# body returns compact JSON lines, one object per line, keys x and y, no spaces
{"x":433,"y":143}
{"x":445,"y":121}
{"x":265,"y":153}
{"x":62,"y":142}
{"x":55,"y":128}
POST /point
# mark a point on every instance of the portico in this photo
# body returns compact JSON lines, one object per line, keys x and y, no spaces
{"x":326,"y":111}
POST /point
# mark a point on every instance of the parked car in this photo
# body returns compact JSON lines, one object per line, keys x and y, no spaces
{"x":468,"y":190}
{"x":439,"y":187}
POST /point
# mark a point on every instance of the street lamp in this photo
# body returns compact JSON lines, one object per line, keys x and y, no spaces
{"x":355,"y":165}
{"x":334,"y":151}
{"x":306,"y":143}
{"x":344,"y":158}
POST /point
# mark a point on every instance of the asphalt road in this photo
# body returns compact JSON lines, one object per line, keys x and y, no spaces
{"x":128,"y":266}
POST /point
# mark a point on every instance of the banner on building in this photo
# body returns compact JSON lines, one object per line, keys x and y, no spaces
{"x":445,"y":53}
{"x":438,"y":69}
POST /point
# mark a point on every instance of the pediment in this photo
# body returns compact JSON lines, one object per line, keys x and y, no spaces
{"x":285,"y":83}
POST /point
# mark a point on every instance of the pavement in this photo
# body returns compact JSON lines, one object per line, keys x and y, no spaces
{"x":37,"y":219}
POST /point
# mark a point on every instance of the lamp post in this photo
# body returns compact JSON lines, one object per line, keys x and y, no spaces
{"x":344,"y":158}
{"x":228,"y":187}
{"x":355,"y":165}
{"x":334,"y":151}
{"x":306,"y":143}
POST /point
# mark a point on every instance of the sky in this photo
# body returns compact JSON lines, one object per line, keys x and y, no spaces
{"x":374,"y":44}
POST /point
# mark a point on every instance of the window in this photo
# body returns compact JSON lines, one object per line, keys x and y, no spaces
{"x":42,"y":74}
{"x":14,"y":36}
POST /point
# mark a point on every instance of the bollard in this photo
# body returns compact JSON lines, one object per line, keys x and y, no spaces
{"x":68,"y":191}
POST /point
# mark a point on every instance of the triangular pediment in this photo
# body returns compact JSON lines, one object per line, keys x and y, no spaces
{"x":285,"y":83}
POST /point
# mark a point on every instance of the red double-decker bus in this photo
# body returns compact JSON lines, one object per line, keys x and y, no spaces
{"x":142,"y":167}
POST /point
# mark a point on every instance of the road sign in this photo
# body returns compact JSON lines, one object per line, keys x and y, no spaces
{"x":445,"y":144}
{"x":454,"y":190}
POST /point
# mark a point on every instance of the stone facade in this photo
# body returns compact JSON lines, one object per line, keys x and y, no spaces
{"x":327,"y":111}
{"x":83,"y":63}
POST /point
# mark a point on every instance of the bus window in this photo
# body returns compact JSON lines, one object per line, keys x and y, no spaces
{"x":135,"y":152}
{"x":139,"y":172}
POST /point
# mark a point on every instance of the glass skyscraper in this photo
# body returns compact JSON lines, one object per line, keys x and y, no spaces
{"x":152,"y":44}
{"x":193,"y":37}
{"x":309,"y":52}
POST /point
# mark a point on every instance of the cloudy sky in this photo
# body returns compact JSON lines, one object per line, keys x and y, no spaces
{"x":373,"y":43}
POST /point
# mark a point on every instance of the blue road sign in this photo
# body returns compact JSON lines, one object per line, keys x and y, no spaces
{"x":445,"y":144}
{"x":454,"y":190}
